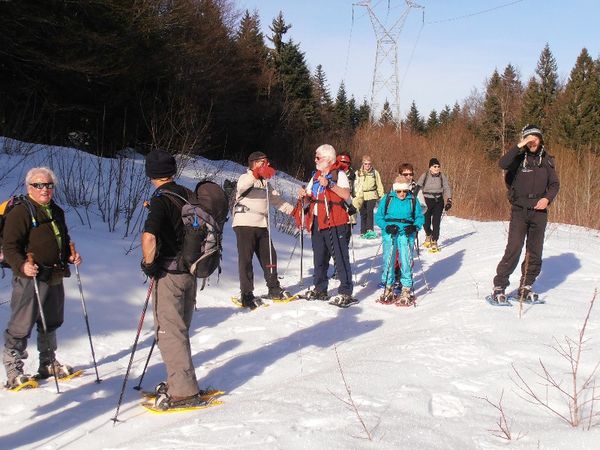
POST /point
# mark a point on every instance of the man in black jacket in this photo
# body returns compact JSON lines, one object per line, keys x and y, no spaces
{"x":36,"y":225}
{"x":533,"y":185}
{"x":174,"y":292}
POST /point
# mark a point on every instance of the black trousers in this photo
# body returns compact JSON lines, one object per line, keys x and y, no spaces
{"x":366,"y":215}
{"x":524,"y":223}
{"x":251,"y":241}
{"x":327,"y":243}
{"x":433,"y":217}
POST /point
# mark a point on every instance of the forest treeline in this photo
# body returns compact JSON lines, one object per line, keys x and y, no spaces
{"x":200,"y":77}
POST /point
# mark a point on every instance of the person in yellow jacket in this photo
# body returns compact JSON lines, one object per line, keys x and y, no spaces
{"x":369,"y":189}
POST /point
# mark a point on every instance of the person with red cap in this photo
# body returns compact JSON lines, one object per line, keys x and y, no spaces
{"x":254,"y":196}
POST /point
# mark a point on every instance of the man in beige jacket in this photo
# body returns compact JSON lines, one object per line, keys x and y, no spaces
{"x":250,"y":223}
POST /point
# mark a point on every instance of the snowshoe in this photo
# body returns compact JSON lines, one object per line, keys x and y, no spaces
{"x":433,"y":247}
{"x":387,"y":297}
{"x":248,"y":300}
{"x":62,"y":371}
{"x":313,"y":294}
{"x":343,"y":300}
{"x":406,"y":297}
{"x":280,"y":295}
{"x":526,"y":295}
{"x":427,"y":242}
{"x":498,"y":297}
{"x":164,"y":403}
{"x":21,"y":382}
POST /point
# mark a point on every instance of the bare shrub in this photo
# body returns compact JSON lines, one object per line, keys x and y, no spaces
{"x":503,"y":427}
{"x":580,"y":396}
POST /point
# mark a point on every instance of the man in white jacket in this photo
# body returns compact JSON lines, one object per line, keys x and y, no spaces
{"x":250,"y":224}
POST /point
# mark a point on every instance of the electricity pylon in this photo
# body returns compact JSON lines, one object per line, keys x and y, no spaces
{"x":385,"y":72}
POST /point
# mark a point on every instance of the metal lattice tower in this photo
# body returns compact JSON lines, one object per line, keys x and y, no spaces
{"x":385,"y":72}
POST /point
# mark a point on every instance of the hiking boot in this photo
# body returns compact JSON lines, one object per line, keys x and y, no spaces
{"x":498,"y":295}
{"x":313,"y":294}
{"x":48,"y":370}
{"x":527,"y":294}
{"x":405,"y":297}
{"x":433,"y":247}
{"x":427,"y":242}
{"x":17,"y":380}
{"x":387,"y":297}
{"x":397,"y":289}
{"x":248,"y":300}
{"x":343,"y":300}
{"x":161,"y":388}
{"x":278,"y":294}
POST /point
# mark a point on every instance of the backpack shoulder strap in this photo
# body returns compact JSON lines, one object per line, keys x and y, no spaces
{"x":388,"y":199}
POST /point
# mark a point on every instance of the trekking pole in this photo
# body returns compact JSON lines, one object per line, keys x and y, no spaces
{"x":364,"y":283}
{"x":271,"y":267}
{"x":85,"y":314}
{"x":135,"y":342}
{"x":43,"y":317}
{"x":354,"y":275}
{"x":301,"y":242}
{"x":139,"y":385}
{"x":281,"y":277}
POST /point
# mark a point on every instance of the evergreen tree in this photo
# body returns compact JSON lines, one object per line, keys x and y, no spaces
{"x":432,"y":121}
{"x":532,"y":109}
{"x":341,"y":111}
{"x":387,"y":117}
{"x":579,"y":116}
{"x":510,"y":100}
{"x":414,"y":121}
{"x":320,"y":87}
{"x":547,"y":71}
{"x":279,"y":28}
{"x":364,"y":113}
{"x":444,"y":117}
{"x":353,"y":113}
{"x":491,"y":129}
{"x":455,"y":113}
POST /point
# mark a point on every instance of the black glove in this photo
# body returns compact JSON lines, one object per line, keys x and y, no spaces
{"x":350,"y":209}
{"x":410,"y":229}
{"x":392,"y":229}
{"x":150,"y":270}
{"x":448,"y":204}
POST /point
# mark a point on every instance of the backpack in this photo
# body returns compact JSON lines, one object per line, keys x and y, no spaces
{"x":5,"y":208}
{"x":203,"y":214}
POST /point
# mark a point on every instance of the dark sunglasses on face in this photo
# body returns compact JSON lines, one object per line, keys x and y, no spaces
{"x":404,"y":191}
{"x":41,"y":186}
{"x":408,"y":174}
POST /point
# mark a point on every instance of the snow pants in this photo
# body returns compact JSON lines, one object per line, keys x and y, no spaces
{"x":433,"y":217}
{"x":524,"y":224}
{"x":327,"y":243}
{"x":367,"y":215}
{"x":174,"y":301}
{"x":25,"y":314}
{"x":251,"y":241}
{"x":403,"y":246}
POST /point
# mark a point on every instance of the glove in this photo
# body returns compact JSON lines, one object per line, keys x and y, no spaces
{"x":150,"y":270}
{"x":263,"y":172}
{"x":410,"y":229}
{"x":392,"y":229}
{"x":448,"y":204}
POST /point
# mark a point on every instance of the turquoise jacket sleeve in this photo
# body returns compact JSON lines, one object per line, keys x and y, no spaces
{"x":379,"y":220}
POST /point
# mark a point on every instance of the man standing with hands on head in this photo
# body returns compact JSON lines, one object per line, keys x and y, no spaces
{"x":533,"y":185}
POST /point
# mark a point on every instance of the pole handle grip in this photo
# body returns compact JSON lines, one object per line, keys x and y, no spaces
{"x":72,"y":248}
{"x":30,"y":258}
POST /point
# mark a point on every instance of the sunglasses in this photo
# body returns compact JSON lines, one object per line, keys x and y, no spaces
{"x":405,"y":191}
{"x":41,"y":186}
{"x":408,"y":174}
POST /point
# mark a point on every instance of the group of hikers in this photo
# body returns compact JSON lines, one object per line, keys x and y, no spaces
{"x":36,"y":245}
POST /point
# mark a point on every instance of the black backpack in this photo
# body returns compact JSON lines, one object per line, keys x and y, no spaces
{"x":203,"y":214}
{"x":5,"y":208}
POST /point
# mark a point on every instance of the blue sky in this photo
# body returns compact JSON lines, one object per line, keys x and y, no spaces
{"x":450,"y":57}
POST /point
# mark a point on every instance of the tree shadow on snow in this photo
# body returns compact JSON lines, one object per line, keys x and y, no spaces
{"x":448,"y":242}
{"x":239,"y":370}
{"x":555,"y":270}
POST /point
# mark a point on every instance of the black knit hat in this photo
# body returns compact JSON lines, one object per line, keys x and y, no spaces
{"x":434,"y":162}
{"x":531,"y":129}
{"x":160,"y":164}
{"x":254,"y":156}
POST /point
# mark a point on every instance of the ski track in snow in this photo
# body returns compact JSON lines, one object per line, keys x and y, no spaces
{"x":416,"y":375}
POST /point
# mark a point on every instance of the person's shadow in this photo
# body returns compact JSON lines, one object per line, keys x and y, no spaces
{"x":555,"y":270}
{"x":444,"y":268}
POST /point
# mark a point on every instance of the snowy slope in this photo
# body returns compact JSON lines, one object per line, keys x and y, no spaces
{"x":416,"y":375}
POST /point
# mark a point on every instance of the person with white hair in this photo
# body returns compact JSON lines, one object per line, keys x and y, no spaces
{"x":36,"y":246}
{"x":327,"y":219}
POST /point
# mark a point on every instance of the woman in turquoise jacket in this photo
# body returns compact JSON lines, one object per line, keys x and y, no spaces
{"x":400,"y":217}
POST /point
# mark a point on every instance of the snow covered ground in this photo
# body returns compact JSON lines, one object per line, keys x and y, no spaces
{"x":417,"y":376}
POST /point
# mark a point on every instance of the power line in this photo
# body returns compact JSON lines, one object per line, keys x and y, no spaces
{"x":451,"y":19}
